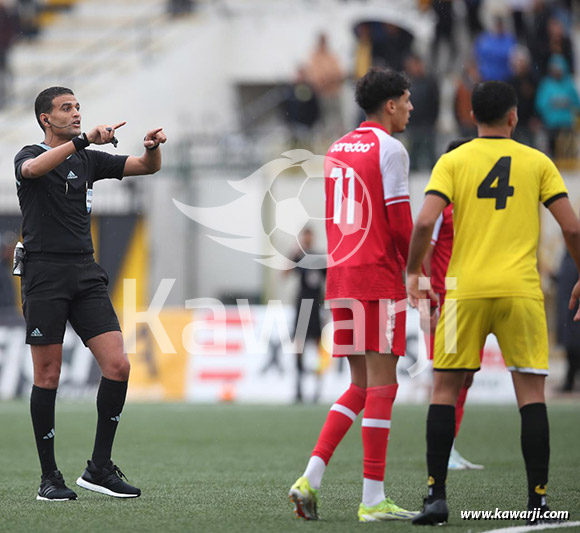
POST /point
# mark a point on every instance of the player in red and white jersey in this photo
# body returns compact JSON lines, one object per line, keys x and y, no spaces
{"x":368,"y":224}
{"x":368,"y":213}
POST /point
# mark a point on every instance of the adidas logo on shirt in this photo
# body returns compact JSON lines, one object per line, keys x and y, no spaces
{"x":36,"y":333}
{"x":71,"y":176}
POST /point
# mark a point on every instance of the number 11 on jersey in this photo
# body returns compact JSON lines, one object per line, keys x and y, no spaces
{"x":340,"y":177}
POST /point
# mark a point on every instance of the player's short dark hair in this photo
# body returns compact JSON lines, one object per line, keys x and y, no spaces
{"x":491,"y":100}
{"x":43,"y":102}
{"x":456,"y":143}
{"x":379,"y":85}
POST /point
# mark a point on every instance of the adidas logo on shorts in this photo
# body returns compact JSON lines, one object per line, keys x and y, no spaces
{"x":36,"y":333}
{"x":71,"y":176}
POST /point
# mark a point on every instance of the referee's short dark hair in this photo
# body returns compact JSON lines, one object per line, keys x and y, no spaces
{"x":377,"y":86}
{"x":43,"y":102}
{"x":491,"y":100}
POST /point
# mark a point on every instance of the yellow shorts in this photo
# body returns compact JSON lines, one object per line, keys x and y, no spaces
{"x":518,"y":323}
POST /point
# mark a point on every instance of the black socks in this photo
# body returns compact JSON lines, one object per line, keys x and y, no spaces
{"x":535,"y":439}
{"x":440,"y":435}
{"x":110,"y":401}
{"x":42,"y":402}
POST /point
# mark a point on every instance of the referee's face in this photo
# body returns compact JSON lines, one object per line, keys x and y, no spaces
{"x":65,"y":116}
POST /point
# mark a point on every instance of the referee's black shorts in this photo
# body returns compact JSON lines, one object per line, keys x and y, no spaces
{"x":61,"y":287}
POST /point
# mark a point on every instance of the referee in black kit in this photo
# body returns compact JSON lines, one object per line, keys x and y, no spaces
{"x":61,"y":280}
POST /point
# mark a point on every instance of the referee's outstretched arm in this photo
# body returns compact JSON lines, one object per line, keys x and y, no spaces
{"x":42,"y":164}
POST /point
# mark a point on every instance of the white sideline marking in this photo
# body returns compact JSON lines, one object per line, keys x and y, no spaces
{"x":522,"y":529}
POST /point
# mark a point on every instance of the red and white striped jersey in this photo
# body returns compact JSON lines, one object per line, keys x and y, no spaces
{"x":365,"y":171}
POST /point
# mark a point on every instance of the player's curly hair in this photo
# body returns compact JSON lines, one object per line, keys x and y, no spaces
{"x":379,"y":85}
{"x":491,"y":100}
{"x":43,"y":102}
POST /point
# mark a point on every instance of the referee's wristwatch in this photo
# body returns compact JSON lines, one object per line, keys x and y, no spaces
{"x":153,"y":147}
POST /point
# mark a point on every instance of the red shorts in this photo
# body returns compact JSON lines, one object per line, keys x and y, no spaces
{"x":362,"y":326}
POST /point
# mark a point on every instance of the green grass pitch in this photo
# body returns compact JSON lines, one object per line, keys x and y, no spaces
{"x":229,"y":468}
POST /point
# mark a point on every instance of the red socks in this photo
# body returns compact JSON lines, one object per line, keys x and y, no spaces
{"x":459,"y":408}
{"x":376,"y":425}
{"x":341,"y":416}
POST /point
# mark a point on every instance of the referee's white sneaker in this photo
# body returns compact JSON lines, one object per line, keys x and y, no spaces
{"x":107,"y":480}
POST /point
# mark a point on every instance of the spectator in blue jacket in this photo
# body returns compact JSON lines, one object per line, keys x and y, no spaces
{"x":557,"y":101}
{"x":492,"y":52}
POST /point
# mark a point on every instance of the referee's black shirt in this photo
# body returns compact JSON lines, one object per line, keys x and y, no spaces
{"x":54,"y":210}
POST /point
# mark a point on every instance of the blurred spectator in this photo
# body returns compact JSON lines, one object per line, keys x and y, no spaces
{"x":7,"y":36}
{"x":473,"y":20}
{"x":326,"y":76}
{"x":391,"y":45}
{"x":492,"y":52}
{"x":28,"y":11}
{"x":179,"y":7}
{"x":525,"y":83}
{"x":301,"y":109}
{"x":557,"y":42}
{"x":568,"y":331}
{"x":541,"y":14}
{"x":462,"y":101}
{"x":443,"y":31}
{"x":543,"y":11}
{"x":519,"y":9}
{"x":363,"y":60}
{"x":425,"y":91}
{"x":557,"y":103}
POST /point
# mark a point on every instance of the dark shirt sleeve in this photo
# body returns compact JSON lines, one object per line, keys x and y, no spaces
{"x":28,"y":152}
{"x":107,"y":166}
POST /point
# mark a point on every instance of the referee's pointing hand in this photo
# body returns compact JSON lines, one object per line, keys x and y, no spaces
{"x":104,"y":133}
{"x":154,"y":138}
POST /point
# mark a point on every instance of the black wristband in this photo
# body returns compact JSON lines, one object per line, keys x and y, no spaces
{"x":154,"y":148}
{"x":81,"y":142}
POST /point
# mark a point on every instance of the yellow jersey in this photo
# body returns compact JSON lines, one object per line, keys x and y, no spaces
{"x":495,"y":185}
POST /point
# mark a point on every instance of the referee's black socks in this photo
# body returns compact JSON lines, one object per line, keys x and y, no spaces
{"x":110,"y":401}
{"x":535,"y":439}
{"x":440,"y":435}
{"x":42,"y":402}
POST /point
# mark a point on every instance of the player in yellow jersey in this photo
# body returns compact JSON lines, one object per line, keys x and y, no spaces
{"x":495,"y":184}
